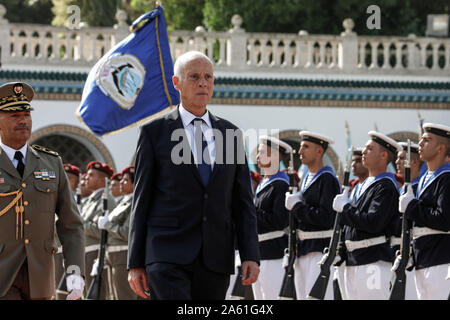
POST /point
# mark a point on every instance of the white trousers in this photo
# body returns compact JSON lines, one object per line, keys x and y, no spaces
{"x":368,"y":282}
{"x":306,"y":272}
{"x":339,"y":274}
{"x":431,"y":283}
{"x":411,"y":290}
{"x":270,"y":278}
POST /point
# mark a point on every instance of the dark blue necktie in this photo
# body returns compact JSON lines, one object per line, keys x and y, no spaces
{"x":201,"y":148}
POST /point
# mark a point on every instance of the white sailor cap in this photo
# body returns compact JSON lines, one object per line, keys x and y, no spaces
{"x":414,"y":147}
{"x":316,"y":138}
{"x":385,"y":141}
{"x":357,"y":151}
{"x":438,"y":129}
{"x":273,"y":142}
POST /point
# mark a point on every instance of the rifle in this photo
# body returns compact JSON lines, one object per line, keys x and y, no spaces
{"x":287,"y":291}
{"x":94,"y":290}
{"x":62,"y":285}
{"x":319,"y":288}
{"x":402,"y":255}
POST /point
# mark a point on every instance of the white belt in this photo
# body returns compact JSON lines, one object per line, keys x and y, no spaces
{"x":395,"y":241}
{"x":92,"y":247}
{"x":307,"y":235}
{"x":270,"y":235}
{"x":116,"y":248}
{"x":353,"y":245}
{"x":418,"y":232}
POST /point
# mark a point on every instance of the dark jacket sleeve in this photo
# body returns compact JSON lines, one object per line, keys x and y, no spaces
{"x":378,"y":216}
{"x":435,"y":215}
{"x":244,"y":213}
{"x":144,"y":177}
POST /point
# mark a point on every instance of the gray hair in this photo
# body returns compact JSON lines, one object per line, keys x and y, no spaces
{"x":185,"y":58}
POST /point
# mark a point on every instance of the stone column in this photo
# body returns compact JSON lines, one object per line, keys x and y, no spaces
{"x":4,"y":37}
{"x":237,"y":44}
{"x":348,"y":47}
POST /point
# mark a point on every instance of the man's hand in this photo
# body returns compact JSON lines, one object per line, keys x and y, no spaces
{"x":75,"y":285}
{"x":340,"y":201}
{"x":250,"y":272}
{"x":405,"y":199}
{"x":137,"y":278}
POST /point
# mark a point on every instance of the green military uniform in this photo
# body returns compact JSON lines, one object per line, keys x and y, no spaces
{"x":117,"y":249}
{"x":28,"y":234}
{"x":92,"y":210}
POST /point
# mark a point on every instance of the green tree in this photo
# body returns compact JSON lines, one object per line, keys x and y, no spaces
{"x":179,"y":14}
{"x":28,"y":11}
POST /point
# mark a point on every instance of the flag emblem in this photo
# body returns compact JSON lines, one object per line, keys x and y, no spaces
{"x":121,"y":77}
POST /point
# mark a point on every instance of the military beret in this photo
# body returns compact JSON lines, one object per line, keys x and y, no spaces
{"x":103,"y":167}
{"x":129,"y":170}
{"x":438,"y":129}
{"x":316,"y":138}
{"x":70,"y":168}
{"x":275,"y":143}
{"x":16,"y":97}
{"x":385,"y":141}
{"x":116,"y":176}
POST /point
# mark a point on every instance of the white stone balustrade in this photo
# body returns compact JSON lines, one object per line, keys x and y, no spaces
{"x":235,"y":50}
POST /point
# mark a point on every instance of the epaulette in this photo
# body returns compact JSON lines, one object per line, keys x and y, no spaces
{"x":43,"y":149}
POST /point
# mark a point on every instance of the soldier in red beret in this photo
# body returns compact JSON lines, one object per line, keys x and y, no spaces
{"x":114,"y":187}
{"x":91,"y":212}
{"x":73,"y":173}
{"x":117,"y":225}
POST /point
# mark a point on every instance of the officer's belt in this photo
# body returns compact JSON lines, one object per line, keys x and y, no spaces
{"x":116,"y":248}
{"x":18,"y":201}
{"x":91,"y":248}
{"x":418,"y":232}
{"x":395,"y":241}
{"x":353,"y":245}
{"x":307,"y":235}
{"x":270,"y":235}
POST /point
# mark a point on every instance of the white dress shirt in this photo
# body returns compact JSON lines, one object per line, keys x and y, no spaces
{"x":10,"y":152}
{"x":186,"y":118}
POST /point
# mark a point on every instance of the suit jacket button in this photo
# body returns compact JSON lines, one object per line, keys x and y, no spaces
{"x":27,"y":241}
{"x":204,"y":219}
{"x":205,"y":196}
{"x":25,"y":203}
{"x":24,"y":185}
{"x":27,"y":222}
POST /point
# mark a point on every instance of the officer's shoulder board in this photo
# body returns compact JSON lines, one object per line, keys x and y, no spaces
{"x":43,"y":149}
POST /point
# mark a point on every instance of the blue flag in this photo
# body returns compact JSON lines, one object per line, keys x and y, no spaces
{"x":133,"y":81}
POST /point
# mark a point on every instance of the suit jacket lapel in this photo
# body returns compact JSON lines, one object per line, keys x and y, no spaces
{"x":7,"y":165}
{"x":216,"y":124}
{"x":175,"y":123}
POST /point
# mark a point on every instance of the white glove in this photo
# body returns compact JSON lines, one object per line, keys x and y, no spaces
{"x":75,"y":285}
{"x":291,"y":200}
{"x":94,"y":270}
{"x":405,"y":199}
{"x":102,"y":221}
{"x":341,"y":200}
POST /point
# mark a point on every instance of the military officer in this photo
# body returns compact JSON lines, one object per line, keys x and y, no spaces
{"x":312,"y":207}
{"x":117,"y":225}
{"x":33,"y":187}
{"x":368,"y":223}
{"x":430,"y":212}
{"x":73,"y":174}
{"x":272,"y":217}
{"x":92,"y":210}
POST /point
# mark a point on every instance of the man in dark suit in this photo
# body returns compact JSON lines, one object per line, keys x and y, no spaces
{"x":191,"y":203}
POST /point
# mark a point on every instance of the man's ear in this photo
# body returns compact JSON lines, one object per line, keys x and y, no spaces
{"x":175,"y":81}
